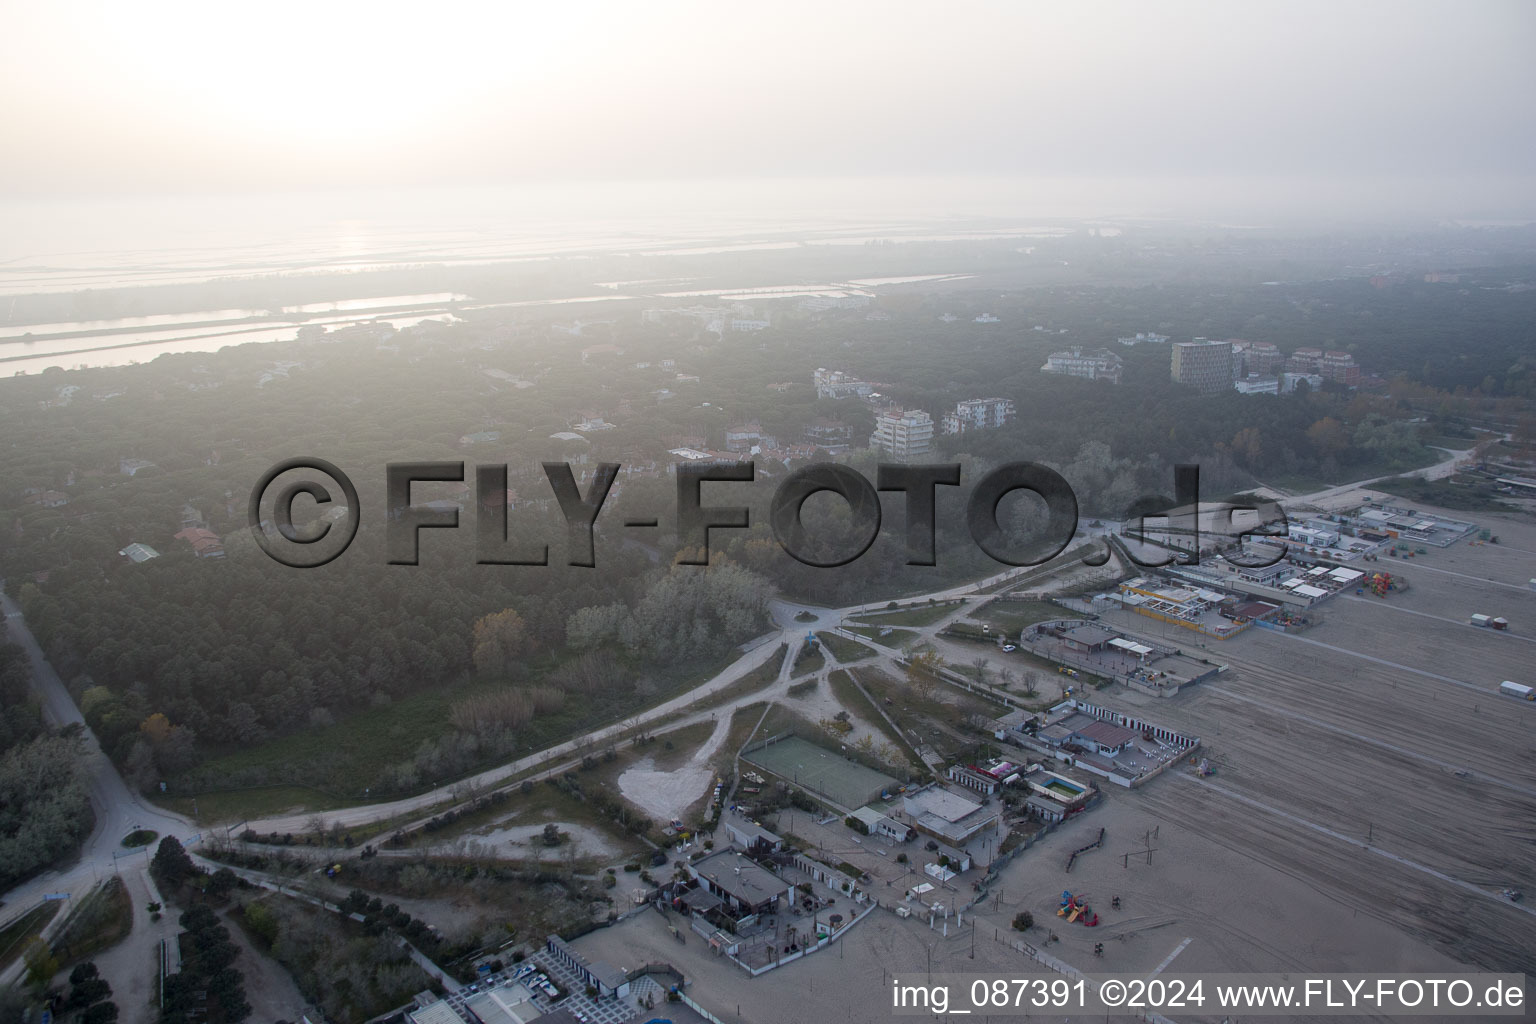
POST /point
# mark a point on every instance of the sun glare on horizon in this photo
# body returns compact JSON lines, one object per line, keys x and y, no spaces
{"x":339,"y":75}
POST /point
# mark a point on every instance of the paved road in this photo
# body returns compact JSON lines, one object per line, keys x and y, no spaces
{"x":119,"y":810}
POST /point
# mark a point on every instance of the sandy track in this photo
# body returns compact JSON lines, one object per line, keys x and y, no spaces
{"x":667,"y":794}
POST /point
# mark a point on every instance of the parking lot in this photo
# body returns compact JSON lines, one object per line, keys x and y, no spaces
{"x":520,"y":979}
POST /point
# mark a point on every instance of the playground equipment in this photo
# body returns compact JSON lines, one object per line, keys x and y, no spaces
{"x":1379,"y":583}
{"x":1076,"y":909}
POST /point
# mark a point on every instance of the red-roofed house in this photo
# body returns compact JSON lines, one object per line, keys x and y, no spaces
{"x":205,"y":543}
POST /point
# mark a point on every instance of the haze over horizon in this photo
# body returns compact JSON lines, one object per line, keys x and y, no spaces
{"x":567,"y":511}
{"x":1413,"y":108}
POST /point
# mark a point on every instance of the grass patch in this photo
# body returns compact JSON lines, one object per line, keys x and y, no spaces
{"x":918,"y":615}
{"x":886,"y":636}
{"x":102,"y":920}
{"x":1043,"y":571}
{"x":742,"y":723}
{"x":233,"y":805}
{"x":1455,"y":444}
{"x":809,"y":661}
{"x":802,"y":690}
{"x":672,"y":749}
{"x":805,"y":617}
{"x":347,"y":759}
{"x":940,"y":714}
{"x":1011,"y":617}
{"x":843,"y":649}
{"x":348,"y":756}
{"x":852,"y":698}
{"x":16,"y":935}
{"x":1306,"y":483}
{"x":140,"y":837}
{"x":1476,"y":496}
{"x":781,"y":718}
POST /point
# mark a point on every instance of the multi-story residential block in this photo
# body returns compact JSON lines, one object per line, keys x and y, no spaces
{"x":1341,"y":368}
{"x":1074,"y":362}
{"x":1202,"y":364}
{"x":979,"y":414}
{"x":1305,"y":360}
{"x":903,"y":433}
{"x":833,"y":435}
{"x":1263,"y":358}
{"x":837,"y":384}
{"x":1256,"y":357}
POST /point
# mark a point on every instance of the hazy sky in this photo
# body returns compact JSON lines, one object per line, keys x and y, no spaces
{"x":167,"y":95}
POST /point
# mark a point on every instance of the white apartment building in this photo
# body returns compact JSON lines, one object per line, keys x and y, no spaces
{"x":903,"y":433}
{"x":1074,"y":362}
{"x":979,"y":414}
{"x":1257,"y":385}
